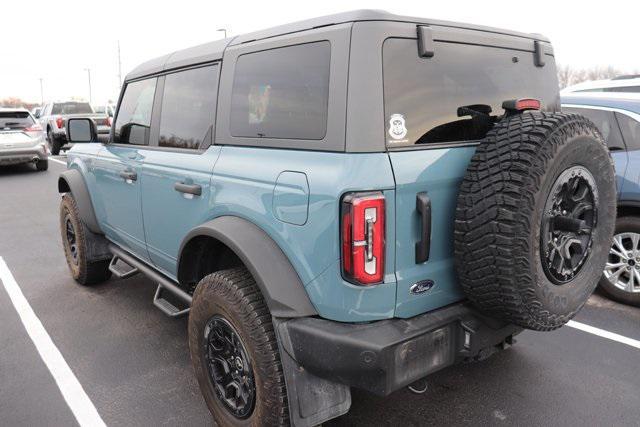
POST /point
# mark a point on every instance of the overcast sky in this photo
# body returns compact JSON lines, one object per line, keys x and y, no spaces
{"x":57,"y":41}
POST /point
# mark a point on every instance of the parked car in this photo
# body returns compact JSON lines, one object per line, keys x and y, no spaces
{"x":53,"y":119}
{"x":625,"y":84}
{"x":108,"y":109}
{"x":357,"y":200}
{"x":618,"y":118}
{"x":22,"y":139}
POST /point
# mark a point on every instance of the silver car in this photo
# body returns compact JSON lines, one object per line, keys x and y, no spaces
{"x":22,"y":139}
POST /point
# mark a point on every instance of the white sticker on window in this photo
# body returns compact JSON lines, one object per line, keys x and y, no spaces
{"x":397,"y":128}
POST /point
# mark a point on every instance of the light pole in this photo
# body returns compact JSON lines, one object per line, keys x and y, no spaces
{"x":119,"y":67}
{"x":224,"y":30}
{"x":41,"y":93}
{"x":88,"y":70}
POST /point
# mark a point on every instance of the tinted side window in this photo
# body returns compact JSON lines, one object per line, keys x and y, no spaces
{"x":282,"y":93}
{"x":630,"y":130}
{"x":623,"y":89}
{"x":188,"y":108}
{"x":423,"y":96}
{"x":605,"y":121}
{"x":134,"y":115}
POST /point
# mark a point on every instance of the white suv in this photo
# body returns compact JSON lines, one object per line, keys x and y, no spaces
{"x":617,"y":84}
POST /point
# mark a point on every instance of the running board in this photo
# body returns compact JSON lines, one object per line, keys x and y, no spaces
{"x":166,"y":306}
{"x":121,"y":269}
{"x":164,"y":283}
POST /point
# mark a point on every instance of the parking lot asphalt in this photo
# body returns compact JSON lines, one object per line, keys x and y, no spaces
{"x":133,"y":362}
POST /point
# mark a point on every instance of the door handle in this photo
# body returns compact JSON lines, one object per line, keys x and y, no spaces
{"x":423,"y":246}
{"x":194,"y":189}
{"x":128,"y":175}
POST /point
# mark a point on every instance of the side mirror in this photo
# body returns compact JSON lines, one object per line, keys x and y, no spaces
{"x":81,"y":130}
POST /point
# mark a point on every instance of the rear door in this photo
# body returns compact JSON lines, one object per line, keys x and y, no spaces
{"x":176,"y":177}
{"x":430,"y":145}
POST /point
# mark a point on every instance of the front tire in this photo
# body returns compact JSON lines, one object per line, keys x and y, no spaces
{"x":621,"y":277}
{"x":235,"y":353}
{"x":74,"y":241}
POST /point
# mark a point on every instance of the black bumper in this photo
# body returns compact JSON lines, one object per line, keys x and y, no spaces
{"x":384,"y":356}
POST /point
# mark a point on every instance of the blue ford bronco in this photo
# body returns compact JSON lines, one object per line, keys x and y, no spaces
{"x":357,"y":200}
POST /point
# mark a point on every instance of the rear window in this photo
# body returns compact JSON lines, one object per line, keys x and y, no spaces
{"x":282,"y":93}
{"x":15,"y":120}
{"x":605,"y":121}
{"x":631,"y":130}
{"x":423,"y":96}
{"x":71,"y":108}
{"x":99,"y":110}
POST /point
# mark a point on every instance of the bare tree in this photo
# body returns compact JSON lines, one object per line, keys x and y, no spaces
{"x":568,"y":75}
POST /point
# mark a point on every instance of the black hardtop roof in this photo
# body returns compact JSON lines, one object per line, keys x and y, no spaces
{"x":213,"y":51}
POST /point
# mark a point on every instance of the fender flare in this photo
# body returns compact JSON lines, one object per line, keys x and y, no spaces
{"x":629,"y":203}
{"x":276,"y":278}
{"x":72,"y":181}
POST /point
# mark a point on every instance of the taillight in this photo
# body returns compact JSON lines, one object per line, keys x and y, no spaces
{"x":60,"y":122}
{"x":363,"y":237}
{"x":33,"y":128}
{"x":522,"y":104}
{"x":33,"y":131}
{"x":108,"y":121}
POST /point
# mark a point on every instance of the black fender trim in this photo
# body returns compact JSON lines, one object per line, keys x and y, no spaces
{"x":278,"y":281}
{"x":71,"y":181}
{"x":629,"y":203}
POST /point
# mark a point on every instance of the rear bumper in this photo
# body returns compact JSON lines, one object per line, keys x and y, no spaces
{"x":384,"y":356}
{"x":22,"y":155}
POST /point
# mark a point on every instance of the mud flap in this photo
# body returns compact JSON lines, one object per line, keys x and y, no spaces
{"x":312,"y":400}
{"x":97,"y":245}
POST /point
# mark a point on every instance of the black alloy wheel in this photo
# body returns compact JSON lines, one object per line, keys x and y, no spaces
{"x":71,"y":239}
{"x":229,"y":367}
{"x":568,"y":224}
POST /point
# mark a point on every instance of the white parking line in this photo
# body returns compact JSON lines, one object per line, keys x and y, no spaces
{"x":604,"y":334}
{"x":58,"y":161}
{"x":72,"y":391}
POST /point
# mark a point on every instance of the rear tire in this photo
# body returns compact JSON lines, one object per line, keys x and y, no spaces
{"x":42,"y":165}
{"x":74,"y":241}
{"x":535,"y":218}
{"x":229,"y":304}
{"x":628,"y":229}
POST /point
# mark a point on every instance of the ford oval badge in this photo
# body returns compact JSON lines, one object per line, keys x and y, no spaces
{"x":421,"y":287}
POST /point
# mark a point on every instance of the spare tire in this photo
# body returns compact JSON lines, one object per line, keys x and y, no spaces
{"x":535,"y":219}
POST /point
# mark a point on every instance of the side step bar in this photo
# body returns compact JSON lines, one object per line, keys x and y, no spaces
{"x":119,"y":268}
{"x":166,"y":306}
{"x":164,"y":283}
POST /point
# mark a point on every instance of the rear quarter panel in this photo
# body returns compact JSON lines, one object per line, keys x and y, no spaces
{"x":243,"y":184}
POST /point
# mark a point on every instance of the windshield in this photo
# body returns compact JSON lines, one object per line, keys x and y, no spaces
{"x":72,"y":108}
{"x":15,"y":120}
